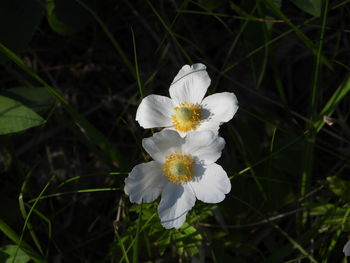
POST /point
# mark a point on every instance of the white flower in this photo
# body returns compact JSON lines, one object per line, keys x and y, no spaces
{"x":346,"y":249}
{"x":186,"y":110}
{"x":183,"y":169}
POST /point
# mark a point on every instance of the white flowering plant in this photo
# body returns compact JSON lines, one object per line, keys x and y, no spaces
{"x":185,"y":152}
{"x":187,"y":109}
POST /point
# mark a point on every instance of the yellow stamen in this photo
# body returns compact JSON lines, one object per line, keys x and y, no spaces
{"x":187,"y":117}
{"x":178,"y":168}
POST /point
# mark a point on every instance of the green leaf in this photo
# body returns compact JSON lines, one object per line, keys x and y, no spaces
{"x":18,"y":21}
{"x":255,"y":35}
{"x":334,"y":100}
{"x":339,"y":187}
{"x":67,"y":17}
{"x":38,"y":99}
{"x":312,"y":7}
{"x":8,"y":253}
{"x":11,"y":234}
{"x":15,"y":117}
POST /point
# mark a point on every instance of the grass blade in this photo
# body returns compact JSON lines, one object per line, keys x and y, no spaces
{"x":26,"y":221}
{"x":168,"y":29}
{"x":11,"y":234}
{"x":334,"y":100}
{"x":139,"y":83}
{"x":108,"y":33}
{"x":135,"y":257}
{"x":307,"y":41}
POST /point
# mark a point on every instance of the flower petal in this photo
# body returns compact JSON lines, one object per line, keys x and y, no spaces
{"x":182,"y":134}
{"x":162,"y":144}
{"x":155,"y":111}
{"x":145,"y":182}
{"x":346,"y":249}
{"x":205,"y":145}
{"x":209,"y":125}
{"x":221,"y":106}
{"x":177,"y":200}
{"x":190,"y":84}
{"x":212,"y":184}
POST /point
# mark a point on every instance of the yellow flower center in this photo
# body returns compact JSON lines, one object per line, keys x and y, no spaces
{"x":178,"y":168}
{"x":187,"y":117}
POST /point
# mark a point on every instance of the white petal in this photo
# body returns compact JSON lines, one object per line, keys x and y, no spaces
{"x":155,"y":111}
{"x":221,"y":106}
{"x":177,"y":200}
{"x":209,"y":125}
{"x":190,"y":84}
{"x":145,"y":182}
{"x":205,"y":145}
{"x":182,"y":134}
{"x":162,"y":144}
{"x":346,"y":249}
{"x":211,"y":185}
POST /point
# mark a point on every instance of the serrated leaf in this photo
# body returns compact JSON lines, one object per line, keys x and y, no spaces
{"x":18,"y":21}
{"x":68,"y":17}
{"x":15,"y":117}
{"x":8,"y":253}
{"x":312,"y":7}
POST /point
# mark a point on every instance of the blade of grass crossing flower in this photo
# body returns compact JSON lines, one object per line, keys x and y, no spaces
{"x":168,"y":29}
{"x":108,"y":33}
{"x":135,"y":256}
{"x":12,"y":235}
{"x":29,"y":214}
{"x":139,"y":83}
{"x":94,"y":135}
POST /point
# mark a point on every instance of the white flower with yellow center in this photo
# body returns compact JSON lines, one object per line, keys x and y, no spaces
{"x":183,"y":170}
{"x":187,"y":110}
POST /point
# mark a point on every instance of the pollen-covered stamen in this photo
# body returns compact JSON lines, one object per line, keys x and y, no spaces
{"x":178,"y":168}
{"x":187,"y":117}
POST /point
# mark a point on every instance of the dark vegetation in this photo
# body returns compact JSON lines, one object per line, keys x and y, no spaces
{"x":287,"y":149}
